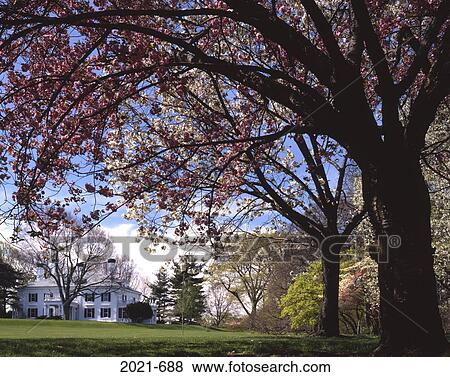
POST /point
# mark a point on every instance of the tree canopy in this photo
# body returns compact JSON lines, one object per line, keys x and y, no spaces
{"x":205,"y":88}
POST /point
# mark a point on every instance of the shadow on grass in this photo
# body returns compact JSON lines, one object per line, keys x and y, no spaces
{"x":259,"y":346}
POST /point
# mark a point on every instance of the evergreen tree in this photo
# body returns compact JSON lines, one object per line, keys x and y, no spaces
{"x":161,"y":294}
{"x":186,"y":289}
{"x":10,"y":279}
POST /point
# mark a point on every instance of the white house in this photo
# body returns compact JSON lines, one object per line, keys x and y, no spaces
{"x":99,"y":302}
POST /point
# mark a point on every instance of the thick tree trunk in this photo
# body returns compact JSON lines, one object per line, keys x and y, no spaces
{"x":66,"y":310}
{"x":329,"y":315}
{"x":409,"y":316}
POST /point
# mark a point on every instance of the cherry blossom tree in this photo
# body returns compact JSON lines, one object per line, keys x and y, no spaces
{"x":78,"y":77}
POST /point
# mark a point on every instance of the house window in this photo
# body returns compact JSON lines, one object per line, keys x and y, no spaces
{"x":32,"y":312}
{"x":124,"y":298}
{"x":122,"y":313}
{"x":106,"y":296}
{"x":89,"y":313}
{"x":48,"y":296}
{"x":89,"y":297}
{"x":32,"y":297}
{"x":105,"y":312}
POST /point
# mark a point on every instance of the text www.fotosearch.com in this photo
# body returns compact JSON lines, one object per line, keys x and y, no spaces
{"x":243,"y":367}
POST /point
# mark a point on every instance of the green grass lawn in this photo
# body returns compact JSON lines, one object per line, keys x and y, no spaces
{"x":83,"y":338}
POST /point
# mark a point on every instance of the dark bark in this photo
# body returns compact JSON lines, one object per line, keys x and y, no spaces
{"x":409,"y":316}
{"x":330,"y":251}
{"x":329,"y":315}
{"x":66,"y":309}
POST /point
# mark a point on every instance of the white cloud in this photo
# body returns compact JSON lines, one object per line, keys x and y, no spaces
{"x":6,"y":232}
{"x":125,"y":240}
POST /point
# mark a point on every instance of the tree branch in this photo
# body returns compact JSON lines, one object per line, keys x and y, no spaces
{"x":373,"y":46}
{"x":431,"y":34}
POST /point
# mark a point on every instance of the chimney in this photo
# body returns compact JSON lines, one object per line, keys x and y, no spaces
{"x":53,"y":265}
{"x":40,"y":271}
{"x":111,"y":267}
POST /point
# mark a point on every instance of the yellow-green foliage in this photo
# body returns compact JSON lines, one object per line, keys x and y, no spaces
{"x":302,"y":302}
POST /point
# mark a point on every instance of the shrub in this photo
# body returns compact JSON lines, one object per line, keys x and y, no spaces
{"x":139,"y":311}
{"x":301,"y":304}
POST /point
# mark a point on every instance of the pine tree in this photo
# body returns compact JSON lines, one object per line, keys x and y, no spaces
{"x":186,"y":289}
{"x":161,"y":294}
{"x":10,"y":279}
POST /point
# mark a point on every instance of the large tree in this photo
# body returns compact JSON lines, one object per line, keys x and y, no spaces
{"x":77,"y":263}
{"x":340,"y":69}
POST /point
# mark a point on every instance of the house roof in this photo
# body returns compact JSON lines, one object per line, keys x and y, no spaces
{"x":41,"y":283}
{"x":50,"y":283}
